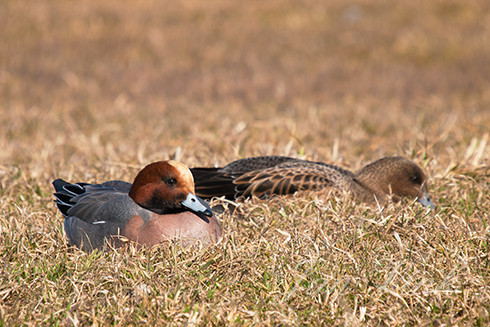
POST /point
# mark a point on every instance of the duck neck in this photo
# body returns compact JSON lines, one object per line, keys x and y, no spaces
{"x":370,"y":192}
{"x":375,"y":178}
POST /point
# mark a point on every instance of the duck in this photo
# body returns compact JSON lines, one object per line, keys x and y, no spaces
{"x":160,"y":205}
{"x":392,"y":177}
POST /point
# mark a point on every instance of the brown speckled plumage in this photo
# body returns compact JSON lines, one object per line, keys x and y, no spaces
{"x":265,"y":176}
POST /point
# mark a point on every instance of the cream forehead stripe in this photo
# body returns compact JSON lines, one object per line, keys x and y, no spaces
{"x":183,"y":170}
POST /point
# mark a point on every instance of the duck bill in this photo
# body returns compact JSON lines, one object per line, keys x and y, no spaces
{"x":194,"y":203}
{"x":425,"y":200}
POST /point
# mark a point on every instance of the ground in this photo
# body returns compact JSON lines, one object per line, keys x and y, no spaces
{"x":95,"y":90}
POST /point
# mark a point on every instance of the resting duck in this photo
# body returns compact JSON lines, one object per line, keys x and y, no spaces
{"x":264,"y":176}
{"x":160,"y":205}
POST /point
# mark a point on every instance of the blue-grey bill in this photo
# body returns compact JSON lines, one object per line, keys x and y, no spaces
{"x":195,"y":204}
{"x":426,"y":202}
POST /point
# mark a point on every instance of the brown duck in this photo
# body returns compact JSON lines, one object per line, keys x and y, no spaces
{"x":262,"y":177}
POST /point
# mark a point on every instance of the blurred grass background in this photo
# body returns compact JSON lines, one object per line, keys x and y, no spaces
{"x":365,"y":73}
{"x":92,"y":90}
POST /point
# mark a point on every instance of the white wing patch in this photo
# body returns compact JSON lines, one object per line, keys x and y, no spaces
{"x":98,"y":222}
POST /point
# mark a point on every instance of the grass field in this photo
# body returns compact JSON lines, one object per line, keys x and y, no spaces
{"x":94,"y":90}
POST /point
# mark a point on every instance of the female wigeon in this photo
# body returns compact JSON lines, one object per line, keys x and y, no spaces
{"x":160,"y":205}
{"x":263,"y":176}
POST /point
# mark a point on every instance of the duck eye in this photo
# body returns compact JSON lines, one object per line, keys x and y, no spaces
{"x":170,"y":181}
{"x":416,"y":179}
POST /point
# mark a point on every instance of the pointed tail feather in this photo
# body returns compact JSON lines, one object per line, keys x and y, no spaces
{"x":211,"y":182}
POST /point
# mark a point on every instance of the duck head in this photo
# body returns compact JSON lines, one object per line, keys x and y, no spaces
{"x":167,"y":187}
{"x":397,"y":176}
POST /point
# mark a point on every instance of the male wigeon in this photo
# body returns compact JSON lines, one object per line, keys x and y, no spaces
{"x":160,"y":205}
{"x":263,"y":176}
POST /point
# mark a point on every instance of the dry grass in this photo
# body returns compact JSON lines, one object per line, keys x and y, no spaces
{"x":91,"y":91}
